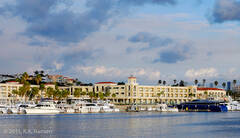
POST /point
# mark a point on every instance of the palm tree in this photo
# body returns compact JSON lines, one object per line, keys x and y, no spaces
{"x":33,"y":92}
{"x":83,"y":93}
{"x":15,"y":93}
{"x":41,"y":88}
{"x":107,"y":93}
{"x":216,"y":83}
{"x":91,"y":95}
{"x":206,"y":94}
{"x":190,"y":95}
{"x":195,"y":81}
{"x":77,"y":93}
{"x":224,"y":85}
{"x":36,"y":72}
{"x":49,"y":92}
{"x":164,"y":82}
{"x":204,"y":81}
{"x":23,"y":91}
{"x":101,"y":95}
{"x":62,"y":94}
{"x":234,"y":90}
{"x":174,"y":81}
{"x":38,"y":79}
{"x":234,"y":85}
{"x":114,"y":96}
{"x":159,"y":82}
{"x":42,"y":73}
{"x":182,"y":83}
{"x":159,"y":95}
{"x":24,"y":77}
{"x":234,"y":82}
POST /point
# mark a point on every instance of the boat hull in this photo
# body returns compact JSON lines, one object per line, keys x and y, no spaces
{"x":202,"y":108}
{"x":41,"y":111}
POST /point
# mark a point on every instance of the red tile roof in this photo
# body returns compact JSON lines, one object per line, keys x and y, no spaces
{"x":105,"y":83}
{"x":205,"y":89}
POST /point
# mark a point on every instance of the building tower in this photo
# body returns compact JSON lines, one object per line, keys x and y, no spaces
{"x":132,"y":88}
{"x":132,"y":80}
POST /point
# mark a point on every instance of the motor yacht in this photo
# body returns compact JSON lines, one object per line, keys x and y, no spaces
{"x":166,"y":108}
{"x":43,"y":108}
{"x":232,"y":105}
{"x":107,"y":107}
{"x":3,"y":109}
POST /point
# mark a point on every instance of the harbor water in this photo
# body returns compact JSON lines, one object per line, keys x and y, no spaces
{"x":121,"y":125}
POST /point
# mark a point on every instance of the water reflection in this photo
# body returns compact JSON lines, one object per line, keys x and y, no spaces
{"x":144,"y":124}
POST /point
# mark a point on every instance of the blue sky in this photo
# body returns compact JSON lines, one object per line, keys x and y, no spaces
{"x":108,"y":40}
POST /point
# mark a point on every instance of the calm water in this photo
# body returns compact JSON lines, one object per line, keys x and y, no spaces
{"x":144,"y":124}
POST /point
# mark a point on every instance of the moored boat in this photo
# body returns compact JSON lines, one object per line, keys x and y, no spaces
{"x":43,"y":108}
{"x":203,"y":105}
{"x":133,"y":108}
{"x":166,"y":108}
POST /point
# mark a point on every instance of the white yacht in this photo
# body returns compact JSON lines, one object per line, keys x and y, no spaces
{"x":107,"y":107}
{"x":86,"y":107}
{"x":43,"y":108}
{"x":165,"y":108}
{"x":3,"y":109}
{"x":19,"y":108}
{"x":233,"y":105}
{"x":67,"y":108}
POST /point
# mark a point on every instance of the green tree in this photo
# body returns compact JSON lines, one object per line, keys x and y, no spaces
{"x":41,"y":88}
{"x":234,"y":82}
{"x":16,"y":92}
{"x":114,"y":96}
{"x":62,"y":94}
{"x":164,"y":82}
{"x":49,"y":92}
{"x":38,"y":79}
{"x":33,"y":92}
{"x":56,"y":94}
{"x":206,"y":94}
{"x":23,"y":91}
{"x":77,"y":93}
{"x":91,"y":95}
{"x":216,"y":83}
{"x":229,"y":92}
{"x":174,"y":81}
{"x":190,"y":95}
{"x":36,"y":73}
{"x":24,"y":77}
{"x":195,"y":81}
{"x":83,"y":93}
{"x":101,"y":95}
{"x":42,"y":73}
{"x":159,"y":82}
{"x":224,"y":85}
{"x":159,"y":95}
{"x":234,"y":89}
{"x":107,"y":93}
{"x":204,"y":81}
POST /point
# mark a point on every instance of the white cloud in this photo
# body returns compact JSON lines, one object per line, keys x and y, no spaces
{"x":117,"y":73}
{"x":57,"y":65}
{"x":100,"y":70}
{"x":204,"y":72}
{"x":155,"y":75}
